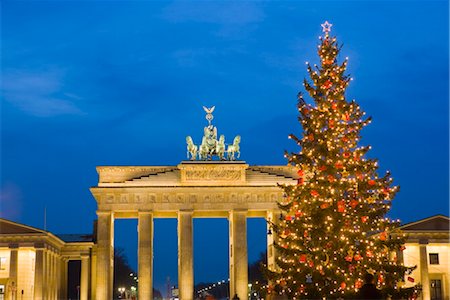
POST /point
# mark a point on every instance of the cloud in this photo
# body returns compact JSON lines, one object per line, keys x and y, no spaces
{"x":233,"y":17}
{"x":214,"y":12}
{"x":38,"y":94}
{"x":10,"y":201}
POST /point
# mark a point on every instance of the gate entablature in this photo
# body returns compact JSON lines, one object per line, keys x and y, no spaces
{"x":207,"y":188}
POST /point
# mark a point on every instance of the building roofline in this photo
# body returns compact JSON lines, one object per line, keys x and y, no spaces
{"x":424,"y":220}
{"x":26,"y":226}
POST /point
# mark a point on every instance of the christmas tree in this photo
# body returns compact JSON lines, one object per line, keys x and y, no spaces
{"x":333,"y":227}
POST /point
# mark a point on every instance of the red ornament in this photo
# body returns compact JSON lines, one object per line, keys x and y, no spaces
{"x":305,"y":111}
{"x":351,"y":268}
{"x":300,"y":181}
{"x":410,"y":279}
{"x":364,"y":219}
{"x":360,"y":176}
{"x":314,"y":193}
{"x":322,"y":168}
{"x":302,"y":258}
{"x":288,"y":218}
{"x":334,"y":105}
{"x":343,"y":285}
{"x":311,"y":264}
{"x":356,"y":157}
{"x":300,"y":173}
{"x":341,"y":206}
{"x":298,"y":214}
{"x":305,"y":233}
{"x":324,"y":205}
{"x":346,"y":117}
{"x":339,"y":165}
{"x":369,"y":253}
{"x":349,"y":258}
{"x":354,"y":203}
{"x":371,"y":182}
{"x":380,"y":278}
{"x":331,"y":178}
{"x":346,"y":154}
{"x":311,"y":137}
{"x":357,"y":257}
{"x":345,"y":139}
{"x":358,"y":284}
{"x":283,"y":282}
{"x":327,"y":84}
{"x":331,"y":123}
{"x":383,"y":236}
{"x":386,"y":191}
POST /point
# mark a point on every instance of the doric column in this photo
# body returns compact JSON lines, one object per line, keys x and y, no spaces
{"x":13,"y":264}
{"x":145,"y":255}
{"x":185,"y":256}
{"x":84,"y":281}
{"x":63,"y":279}
{"x":39,"y":272}
{"x":52,"y":275}
{"x":105,"y":255}
{"x":238,"y":254}
{"x":272,"y":218}
{"x":45,"y":285}
{"x":58,"y":276}
{"x":93,"y":289}
{"x":424,"y":279}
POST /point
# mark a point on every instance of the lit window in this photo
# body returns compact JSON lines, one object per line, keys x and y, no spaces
{"x":2,"y":263}
{"x":434,"y":258}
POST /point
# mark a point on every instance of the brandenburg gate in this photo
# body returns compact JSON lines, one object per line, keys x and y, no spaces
{"x":193,"y":189}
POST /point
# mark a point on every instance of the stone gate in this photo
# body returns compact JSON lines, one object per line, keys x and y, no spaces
{"x":193,"y":189}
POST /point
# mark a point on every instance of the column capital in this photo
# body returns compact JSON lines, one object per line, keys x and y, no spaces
{"x":13,"y":246}
{"x":423,"y":242}
{"x":239,"y":211}
{"x":39,"y":246}
{"x":186,"y":211}
{"x":105,"y":213}
{"x":145,"y":212}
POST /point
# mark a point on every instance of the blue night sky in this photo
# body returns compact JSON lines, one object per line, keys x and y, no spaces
{"x":123,"y":82}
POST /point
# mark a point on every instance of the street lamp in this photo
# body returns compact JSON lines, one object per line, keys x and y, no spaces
{"x":121,"y":290}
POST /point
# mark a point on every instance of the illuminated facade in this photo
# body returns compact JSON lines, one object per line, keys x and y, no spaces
{"x":34,"y":263}
{"x":428,"y":247}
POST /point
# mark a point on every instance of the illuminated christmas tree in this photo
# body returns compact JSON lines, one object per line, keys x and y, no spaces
{"x":333,"y":227}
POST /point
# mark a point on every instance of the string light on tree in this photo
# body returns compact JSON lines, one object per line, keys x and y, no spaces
{"x":333,"y":228}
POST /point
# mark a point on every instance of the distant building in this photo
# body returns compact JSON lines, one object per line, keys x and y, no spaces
{"x":428,"y":248}
{"x":34,"y":263}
